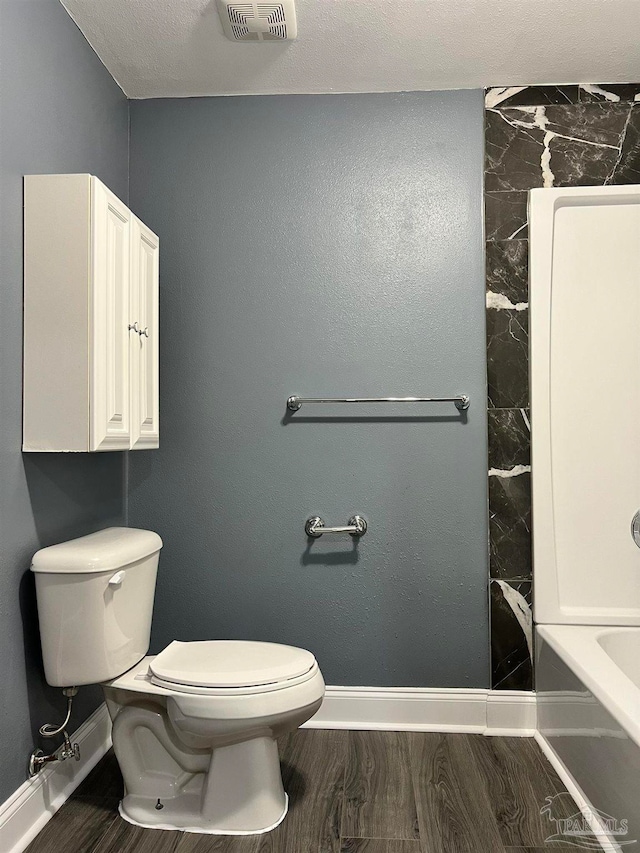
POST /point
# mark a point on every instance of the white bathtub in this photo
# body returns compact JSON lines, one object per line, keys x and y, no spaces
{"x":588,"y":683}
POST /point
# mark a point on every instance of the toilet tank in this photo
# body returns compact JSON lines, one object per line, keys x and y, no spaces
{"x":95,"y":600}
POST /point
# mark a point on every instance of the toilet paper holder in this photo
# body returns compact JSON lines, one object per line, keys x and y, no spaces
{"x":315,"y":527}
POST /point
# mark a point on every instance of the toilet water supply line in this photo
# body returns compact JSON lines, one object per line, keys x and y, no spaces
{"x":38,"y":759}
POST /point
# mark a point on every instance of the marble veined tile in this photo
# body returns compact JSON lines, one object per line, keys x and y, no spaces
{"x":505,"y":215}
{"x":612,"y":93}
{"x":573,"y":164}
{"x":548,"y":146}
{"x":509,"y":439}
{"x":510,"y":522}
{"x":511,"y":636}
{"x":597,"y":124}
{"x":507,"y":266}
{"x":513,"y":150}
{"x":508,"y":358}
{"x":627,"y":170}
{"x":518,"y":96}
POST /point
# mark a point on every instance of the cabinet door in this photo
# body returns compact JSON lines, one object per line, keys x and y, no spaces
{"x":110,"y":422}
{"x":145,"y":432}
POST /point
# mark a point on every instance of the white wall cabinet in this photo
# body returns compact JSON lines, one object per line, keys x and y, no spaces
{"x":144,"y":344}
{"x":90,"y":319}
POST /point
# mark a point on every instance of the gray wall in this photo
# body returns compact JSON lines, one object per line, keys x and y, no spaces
{"x":319,"y":245}
{"x":60,"y":111}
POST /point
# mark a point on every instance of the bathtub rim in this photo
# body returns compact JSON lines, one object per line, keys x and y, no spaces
{"x":578,"y":647}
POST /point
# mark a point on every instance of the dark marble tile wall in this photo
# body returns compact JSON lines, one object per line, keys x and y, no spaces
{"x":512,"y":635}
{"x":535,"y":136}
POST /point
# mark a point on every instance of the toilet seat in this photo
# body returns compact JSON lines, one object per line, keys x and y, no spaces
{"x":230,"y":667}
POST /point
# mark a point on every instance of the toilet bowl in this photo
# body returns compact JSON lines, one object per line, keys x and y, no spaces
{"x":203,"y":757}
{"x":194,"y":727}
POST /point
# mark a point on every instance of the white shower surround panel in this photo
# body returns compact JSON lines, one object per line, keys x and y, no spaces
{"x":585,"y":396}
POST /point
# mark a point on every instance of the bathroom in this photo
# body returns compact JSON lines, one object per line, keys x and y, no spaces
{"x":342,"y":214}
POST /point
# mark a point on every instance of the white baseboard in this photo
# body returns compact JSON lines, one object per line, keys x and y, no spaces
{"x":607,"y":844}
{"x":420,"y":709}
{"x":485,"y":712}
{"x":29,"y":808}
{"x":511,"y":713}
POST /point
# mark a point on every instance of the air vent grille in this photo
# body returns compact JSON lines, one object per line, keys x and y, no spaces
{"x":258,"y":21}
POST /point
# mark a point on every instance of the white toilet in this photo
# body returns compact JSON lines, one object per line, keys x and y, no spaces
{"x":194,"y":727}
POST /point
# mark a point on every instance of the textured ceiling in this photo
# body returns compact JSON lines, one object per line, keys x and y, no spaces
{"x":176,"y":48}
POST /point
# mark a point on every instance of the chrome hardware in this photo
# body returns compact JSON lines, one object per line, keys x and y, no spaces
{"x":461,"y":401}
{"x":37,"y":759}
{"x":69,"y":750}
{"x":133,"y":327}
{"x":314,"y":527}
{"x":144,"y":332}
{"x":635,"y":528}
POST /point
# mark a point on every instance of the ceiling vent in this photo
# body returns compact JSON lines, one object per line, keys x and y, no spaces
{"x":258,"y":21}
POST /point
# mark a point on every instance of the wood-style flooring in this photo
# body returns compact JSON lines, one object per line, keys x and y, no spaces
{"x":355,"y":792}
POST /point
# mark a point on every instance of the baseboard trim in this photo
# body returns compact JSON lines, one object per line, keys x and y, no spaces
{"x":35,"y":802}
{"x":484,"y":712}
{"x":606,"y":842}
{"x":419,"y":709}
{"x":511,"y":713}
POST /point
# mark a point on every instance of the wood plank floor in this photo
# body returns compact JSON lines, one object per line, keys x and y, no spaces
{"x":355,"y":792}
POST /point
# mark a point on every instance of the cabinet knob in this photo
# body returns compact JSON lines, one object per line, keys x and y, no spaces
{"x":133,"y":327}
{"x":144,"y":332}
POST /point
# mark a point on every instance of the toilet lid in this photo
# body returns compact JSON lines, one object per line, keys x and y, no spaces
{"x":229,"y":663}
